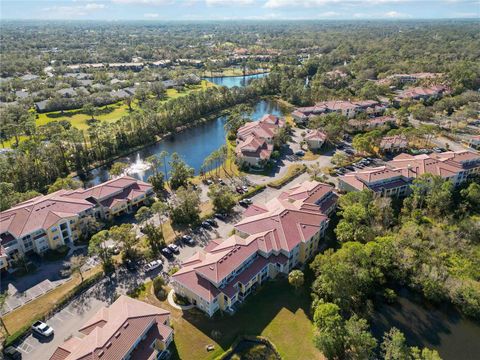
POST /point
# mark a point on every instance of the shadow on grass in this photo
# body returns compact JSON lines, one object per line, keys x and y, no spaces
{"x":254,"y":315}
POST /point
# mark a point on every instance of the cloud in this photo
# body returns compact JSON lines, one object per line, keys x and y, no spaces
{"x":72,"y":11}
{"x":143,"y":2}
{"x":318,"y":3}
{"x":395,"y":14}
{"x":151,"y":15}
{"x":229,"y":2}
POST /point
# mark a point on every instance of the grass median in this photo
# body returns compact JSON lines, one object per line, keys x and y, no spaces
{"x":19,"y":320}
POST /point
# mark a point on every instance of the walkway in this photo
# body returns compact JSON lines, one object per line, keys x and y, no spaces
{"x":175,"y":305}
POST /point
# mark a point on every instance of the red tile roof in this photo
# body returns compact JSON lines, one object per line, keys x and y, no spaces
{"x":279,"y":225}
{"x":317,"y":135}
{"x":112,"y":332}
{"x":41,"y":212}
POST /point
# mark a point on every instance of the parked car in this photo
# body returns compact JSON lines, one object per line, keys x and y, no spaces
{"x":245,"y":188}
{"x":222,"y":217}
{"x":239,"y":190}
{"x":209,"y":182}
{"x":42,"y":328}
{"x":130,"y":265}
{"x":206,"y":225}
{"x":212,"y":222}
{"x":12,"y":354}
{"x":173,"y":248}
{"x":350,"y":167}
{"x":152,"y":265}
{"x":221,"y":182}
{"x":300,"y":153}
{"x":248,"y":201}
{"x":167,"y":253}
{"x":349,"y":151}
{"x":187,"y":239}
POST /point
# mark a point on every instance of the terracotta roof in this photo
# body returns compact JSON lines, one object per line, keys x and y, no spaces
{"x":278,"y":225}
{"x":316,"y":135}
{"x":254,"y":147}
{"x":40,"y":213}
{"x":406,"y":166}
{"x":393,"y":142}
{"x":112,"y":332}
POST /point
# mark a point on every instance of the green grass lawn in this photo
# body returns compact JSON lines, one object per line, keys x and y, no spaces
{"x":276,"y":312}
{"x":108,"y":113}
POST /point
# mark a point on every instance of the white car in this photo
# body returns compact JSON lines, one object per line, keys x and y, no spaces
{"x":174,"y":248}
{"x":41,"y":328}
{"x":152,"y":265}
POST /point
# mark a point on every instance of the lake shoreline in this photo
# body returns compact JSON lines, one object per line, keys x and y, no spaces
{"x":85,"y":176}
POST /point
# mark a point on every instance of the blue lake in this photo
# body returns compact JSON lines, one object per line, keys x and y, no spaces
{"x":193,"y":144}
{"x":231,"y":81}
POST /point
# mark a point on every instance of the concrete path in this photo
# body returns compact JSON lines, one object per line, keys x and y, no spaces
{"x":175,"y":305}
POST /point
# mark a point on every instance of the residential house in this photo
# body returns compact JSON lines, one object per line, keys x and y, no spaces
{"x":272,"y":238}
{"x":127,"y":329}
{"x":394,"y":178}
{"x":49,"y":221}
{"x":315,"y":139}
{"x":395,"y":143}
{"x":67,"y":92}
{"x":135,"y":66}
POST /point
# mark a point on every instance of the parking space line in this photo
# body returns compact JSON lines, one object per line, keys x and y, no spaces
{"x":58,"y":317}
{"x":68,"y":312}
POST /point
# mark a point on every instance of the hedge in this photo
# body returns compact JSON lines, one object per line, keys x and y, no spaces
{"x":292,"y":172}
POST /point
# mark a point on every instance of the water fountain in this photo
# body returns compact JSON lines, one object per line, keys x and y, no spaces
{"x":138,"y":167}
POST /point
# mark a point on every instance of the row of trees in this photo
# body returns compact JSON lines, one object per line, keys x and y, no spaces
{"x":54,"y":150}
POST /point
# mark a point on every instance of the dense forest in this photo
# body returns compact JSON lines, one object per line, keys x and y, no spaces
{"x":429,"y":243}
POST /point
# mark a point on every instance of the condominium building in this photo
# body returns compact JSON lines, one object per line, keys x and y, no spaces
{"x":347,"y":108}
{"x":394,"y":178}
{"x":49,"y":221}
{"x":270,"y":239}
{"x":127,"y":329}
{"x":255,"y":140}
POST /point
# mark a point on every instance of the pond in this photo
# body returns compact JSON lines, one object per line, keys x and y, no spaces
{"x":424,"y":325}
{"x":231,"y":81}
{"x":193,"y":145}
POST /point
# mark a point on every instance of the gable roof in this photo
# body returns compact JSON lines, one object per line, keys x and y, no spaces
{"x":113,"y":331}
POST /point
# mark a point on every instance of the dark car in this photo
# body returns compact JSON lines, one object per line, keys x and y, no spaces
{"x":349,"y":151}
{"x":243,"y":203}
{"x":350,"y":167}
{"x":187,"y":239}
{"x":340,"y":146}
{"x":239,"y":190}
{"x":130,"y":265}
{"x":12,"y":353}
{"x":221,"y":216}
{"x":212,"y":222}
{"x":206,"y":225}
{"x":167,"y":253}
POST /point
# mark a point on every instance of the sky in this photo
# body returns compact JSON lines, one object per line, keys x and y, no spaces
{"x":161,"y":10}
